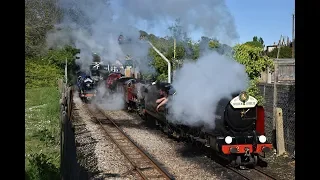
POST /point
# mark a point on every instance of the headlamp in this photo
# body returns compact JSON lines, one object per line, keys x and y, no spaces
{"x":243,"y":96}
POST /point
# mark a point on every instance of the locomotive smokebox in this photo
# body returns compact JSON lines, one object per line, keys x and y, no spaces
{"x":233,"y":114}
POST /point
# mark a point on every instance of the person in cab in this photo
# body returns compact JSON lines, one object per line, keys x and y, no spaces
{"x":165,"y":92}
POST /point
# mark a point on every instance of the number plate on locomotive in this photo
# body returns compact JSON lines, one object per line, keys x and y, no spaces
{"x":236,"y":103}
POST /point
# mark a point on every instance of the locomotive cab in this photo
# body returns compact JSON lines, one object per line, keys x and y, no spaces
{"x":151,"y":94}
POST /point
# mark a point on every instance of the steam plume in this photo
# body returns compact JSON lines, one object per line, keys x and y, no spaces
{"x":94,"y":26}
{"x":201,"y":84}
{"x":107,"y":100}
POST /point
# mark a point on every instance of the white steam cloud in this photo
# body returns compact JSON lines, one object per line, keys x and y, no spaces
{"x":209,"y":17}
{"x":201,"y":84}
{"x":108,"y":100}
{"x":94,"y":26}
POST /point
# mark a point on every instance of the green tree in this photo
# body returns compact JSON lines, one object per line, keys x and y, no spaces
{"x":261,"y":41}
{"x":185,"y":49}
{"x":38,"y":69}
{"x":165,"y":46}
{"x":214,"y":44}
{"x":255,"y":63}
{"x":256,"y":42}
{"x":178,"y":32}
{"x":143,"y":34}
{"x":40,"y":16}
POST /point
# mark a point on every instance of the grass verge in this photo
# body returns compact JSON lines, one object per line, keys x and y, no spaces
{"x":42,"y":135}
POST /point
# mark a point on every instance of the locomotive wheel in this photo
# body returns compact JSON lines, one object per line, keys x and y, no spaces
{"x":170,"y":131}
{"x":148,"y":120}
{"x":238,"y":161}
{"x":128,"y":107}
{"x":233,"y":163}
{"x":255,"y":160}
{"x":200,"y":145}
{"x":165,"y":129}
{"x":85,"y":100}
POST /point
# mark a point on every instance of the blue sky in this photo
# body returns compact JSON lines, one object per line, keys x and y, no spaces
{"x":267,"y":19}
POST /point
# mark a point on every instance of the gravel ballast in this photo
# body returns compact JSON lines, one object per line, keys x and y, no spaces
{"x":100,"y":155}
{"x":177,"y":157}
{"x":92,"y":143}
{"x":182,"y":160}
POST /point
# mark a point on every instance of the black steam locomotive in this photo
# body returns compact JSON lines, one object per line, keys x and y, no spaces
{"x":238,"y":136}
{"x":86,"y":87}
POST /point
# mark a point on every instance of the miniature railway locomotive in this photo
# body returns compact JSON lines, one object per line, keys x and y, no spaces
{"x":86,"y":87}
{"x":238,"y":136}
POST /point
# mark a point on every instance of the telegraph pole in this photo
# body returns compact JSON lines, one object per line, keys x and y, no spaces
{"x":275,"y":92}
{"x":174,"y":51}
{"x":293,"y":24}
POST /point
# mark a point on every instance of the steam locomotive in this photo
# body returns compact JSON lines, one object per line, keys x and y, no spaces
{"x":130,"y":87}
{"x":238,"y":137}
{"x":86,"y":87}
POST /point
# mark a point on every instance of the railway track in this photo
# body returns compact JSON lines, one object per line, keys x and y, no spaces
{"x":252,"y":174}
{"x":249,"y":174}
{"x":143,"y":165}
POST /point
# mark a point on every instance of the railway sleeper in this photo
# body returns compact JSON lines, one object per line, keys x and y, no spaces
{"x":135,"y":156}
{"x":115,"y":133}
{"x":143,"y":163}
{"x":154,"y":176}
{"x":131,"y":151}
{"x":146,"y":168}
{"x":119,"y":139}
{"x":111,"y":130}
{"x":150,"y":171}
{"x":128,"y":149}
{"x":116,"y":136}
{"x":124,"y":144}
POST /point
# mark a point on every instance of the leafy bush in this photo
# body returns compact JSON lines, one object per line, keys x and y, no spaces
{"x":46,"y":70}
{"x":39,"y":74}
{"x":41,"y":167}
